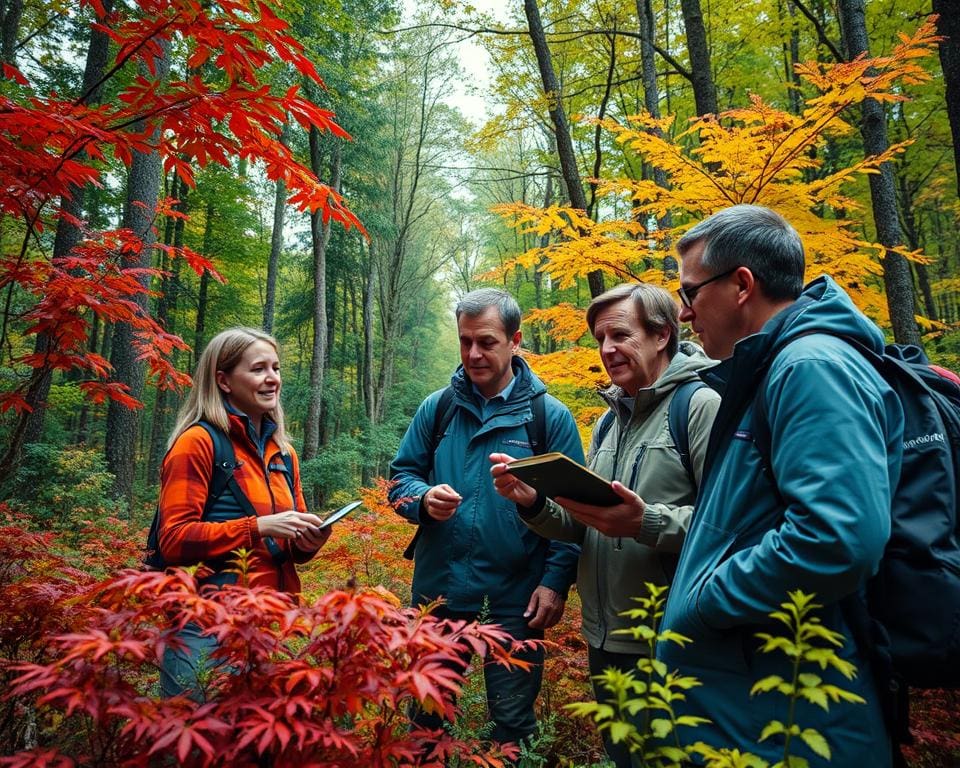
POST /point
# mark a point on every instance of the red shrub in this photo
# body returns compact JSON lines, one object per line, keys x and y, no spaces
{"x":323,"y":684}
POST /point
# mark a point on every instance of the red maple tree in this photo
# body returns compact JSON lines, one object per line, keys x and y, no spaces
{"x":51,"y":146}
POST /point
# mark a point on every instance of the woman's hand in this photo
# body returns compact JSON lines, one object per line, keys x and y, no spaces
{"x":509,"y":486}
{"x":289,"y":525}
{"x":313,"y":539}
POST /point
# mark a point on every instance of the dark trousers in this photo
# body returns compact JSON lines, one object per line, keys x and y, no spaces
{"x":511,"y":693}
{"x":181,"y":668}
{"x":600,"y":660}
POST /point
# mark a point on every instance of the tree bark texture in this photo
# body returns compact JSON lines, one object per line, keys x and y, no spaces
{"x":67,"y":235}
{"x":701,"y":74}
{"x":12,"y":14}
{"x":320,"y":238}
{"x":948,"y":25}
{"x":897,"y":277}
{"x":276,"y":244}
{"x":565,"y":151}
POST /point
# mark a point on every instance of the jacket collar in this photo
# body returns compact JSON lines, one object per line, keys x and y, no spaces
{"x":242,"y":422}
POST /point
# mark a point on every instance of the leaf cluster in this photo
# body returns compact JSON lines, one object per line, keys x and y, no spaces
{"x":328,"y":682}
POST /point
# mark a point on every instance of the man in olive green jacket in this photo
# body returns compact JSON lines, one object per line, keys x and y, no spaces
{"x":637,"y":541}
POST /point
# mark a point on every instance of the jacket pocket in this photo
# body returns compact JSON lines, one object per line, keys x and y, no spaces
{"x":711,"y":647}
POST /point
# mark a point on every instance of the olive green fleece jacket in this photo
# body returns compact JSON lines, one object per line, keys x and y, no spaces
{"x":639,"y":452}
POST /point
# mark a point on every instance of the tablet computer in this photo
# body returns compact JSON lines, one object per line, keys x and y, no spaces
{"x":341,"y":513}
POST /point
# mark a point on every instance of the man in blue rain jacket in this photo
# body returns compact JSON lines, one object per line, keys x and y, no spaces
{"x":471,"y":548}
{"x":817,"y":519}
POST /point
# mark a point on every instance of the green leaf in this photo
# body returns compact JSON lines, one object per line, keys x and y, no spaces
{"x":772,"y":729}
{"x":692,"y":720}
{"x":660,"y":727}
{"x":674,"y":637}
{"x":673,"y":754}
{"x":816,"y":696}
{"x":659,"y":667}
{"x":766,"y":685}
{"x":816,"y":742}
{"x":620,"y":731}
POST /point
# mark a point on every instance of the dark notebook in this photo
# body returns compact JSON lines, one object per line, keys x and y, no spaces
{"x":554,"y":474}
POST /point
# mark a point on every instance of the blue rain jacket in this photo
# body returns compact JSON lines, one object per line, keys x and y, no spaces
{"x":819,"y":524}
{"x":483,"y":550}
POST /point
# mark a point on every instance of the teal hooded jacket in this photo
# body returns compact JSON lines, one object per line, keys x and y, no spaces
{"x":819,"y":524}
{"x":483,"y":550}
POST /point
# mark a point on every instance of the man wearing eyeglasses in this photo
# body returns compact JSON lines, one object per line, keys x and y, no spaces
{"x":813,"y":515}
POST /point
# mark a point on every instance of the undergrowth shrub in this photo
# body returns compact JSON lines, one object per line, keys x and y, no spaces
{"x":639,"y":708}
{"x":61,"y":485}
{"x":326,"y":683}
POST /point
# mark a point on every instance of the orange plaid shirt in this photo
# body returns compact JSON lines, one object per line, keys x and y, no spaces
{"x":184,"y":481}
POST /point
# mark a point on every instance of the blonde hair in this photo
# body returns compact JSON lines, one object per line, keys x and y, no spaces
{"x":205,"y":401}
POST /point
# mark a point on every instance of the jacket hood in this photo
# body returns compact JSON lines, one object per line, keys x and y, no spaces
{"x":824,"y":307}
{"x":685,"y":366}
{"x":527,"y":383}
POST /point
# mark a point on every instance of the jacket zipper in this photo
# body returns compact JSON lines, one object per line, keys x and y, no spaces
{"x":636,"y":467}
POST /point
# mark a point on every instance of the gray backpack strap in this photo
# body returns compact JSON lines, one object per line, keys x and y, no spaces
{"x":606,"y":421}
{"x":678,"y":419}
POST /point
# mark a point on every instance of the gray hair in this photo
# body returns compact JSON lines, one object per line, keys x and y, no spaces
{"x":655,"y":308}
{"x":479,"y":301}
{"x":754,"y":237}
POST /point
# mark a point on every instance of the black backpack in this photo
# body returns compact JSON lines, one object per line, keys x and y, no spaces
{"x":536,"y":434}
{"x":678,"y":421}
{"x":911,"y":621}
{"x":221,"y":479}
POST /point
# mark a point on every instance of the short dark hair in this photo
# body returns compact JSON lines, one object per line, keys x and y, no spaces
{"x":477,"y":302}
{"x":754,"y":237}
{"x":655,"y":308}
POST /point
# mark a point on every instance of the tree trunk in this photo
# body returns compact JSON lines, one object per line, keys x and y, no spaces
{"x":276,"y":243}
{"x":166,"y":316}
{"x":791,"y":57}
{"x":200,"y":328}
{"x":123,"y":423}
{"x":67,"y":235}
{"x":320,"y":236}
{"x":368,"y":288}
{"x":565,"y":151}
{"x":873,"y":127}
{"x":651,"y":102}
{"x":948,"y":25}
{"x":704,"y":91}
{"x":539,"y":342}
{"x":13,"y":12}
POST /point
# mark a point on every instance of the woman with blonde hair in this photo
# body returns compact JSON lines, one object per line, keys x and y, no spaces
{"x":259,"y":507}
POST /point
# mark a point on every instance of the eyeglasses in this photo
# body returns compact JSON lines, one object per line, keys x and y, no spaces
{"x":688,"y":293}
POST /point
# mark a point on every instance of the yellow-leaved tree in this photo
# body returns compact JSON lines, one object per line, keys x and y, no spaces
{"x":755,"y":154}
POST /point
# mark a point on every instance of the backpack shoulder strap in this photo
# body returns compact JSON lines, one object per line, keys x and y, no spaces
{"x":537,"y":426}
{"x":678,"y":420}
{"x":224,"y":462}
{"x":288,"y":463}
{"x":606,"y":421}
{"x":222,"y":479}
{"x":441,"y":419}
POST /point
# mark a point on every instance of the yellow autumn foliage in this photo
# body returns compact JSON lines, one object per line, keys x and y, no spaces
{"x":753,"y":154}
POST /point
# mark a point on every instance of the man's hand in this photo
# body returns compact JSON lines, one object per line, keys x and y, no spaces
{"x":544,"y":609}
{"x":624,"y":519}
{"x":441,"y":502}
{"x":509,"y":486}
